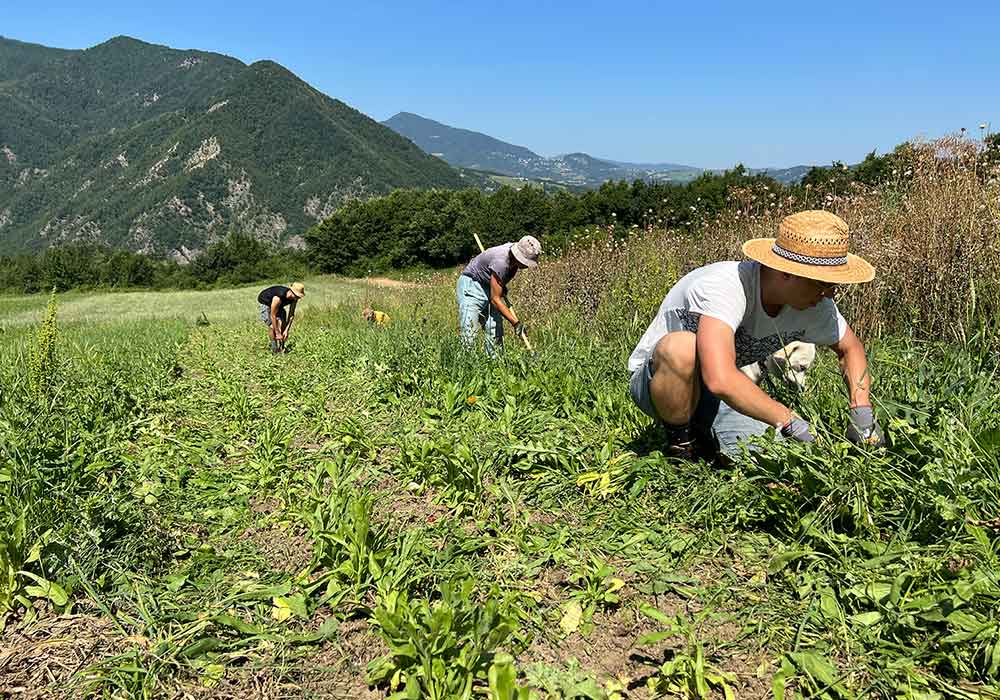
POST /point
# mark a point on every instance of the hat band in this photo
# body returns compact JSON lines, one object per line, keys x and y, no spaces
{"x":807,"y":259}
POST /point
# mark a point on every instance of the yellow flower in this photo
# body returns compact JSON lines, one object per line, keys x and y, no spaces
{"x":471,"y":400}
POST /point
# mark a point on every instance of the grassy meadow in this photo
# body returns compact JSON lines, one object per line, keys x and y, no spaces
{"x":380,"y":514}
{"x":220,"y":305}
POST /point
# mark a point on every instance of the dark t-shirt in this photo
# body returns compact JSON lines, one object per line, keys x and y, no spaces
{"x":270,"y":293}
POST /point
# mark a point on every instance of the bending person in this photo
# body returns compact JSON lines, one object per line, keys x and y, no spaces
{"x":482,"y":291}
{"x":277,"y":311}
{"x":717,"y":318}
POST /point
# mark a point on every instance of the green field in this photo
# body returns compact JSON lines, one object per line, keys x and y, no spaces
{"x":223,"y":305}
{"x":183,"y":515}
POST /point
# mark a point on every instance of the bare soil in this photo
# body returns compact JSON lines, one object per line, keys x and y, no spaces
{"x":40,"y":660}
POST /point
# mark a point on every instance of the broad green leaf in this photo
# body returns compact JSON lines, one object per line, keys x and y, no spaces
{"x":653,"y":638}
{"x":175,"y":582}
{"x":286,"y":606}
{"x":830,"y":606}
{"x":822,"y":672}
{"x":200,"y":647}
{"x":45,"y":589}
{"x":867,"y":618}
{"x":502,"y":679}
{"x":236,"y":624}
{"x":783,"y":559}
{"x":652,"y":613}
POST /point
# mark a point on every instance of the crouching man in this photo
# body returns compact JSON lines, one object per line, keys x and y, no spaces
{"x":685,"y":369}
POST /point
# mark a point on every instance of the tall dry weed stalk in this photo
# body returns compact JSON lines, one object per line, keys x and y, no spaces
{"x":43,"y":370}
{"x":932,"y":232}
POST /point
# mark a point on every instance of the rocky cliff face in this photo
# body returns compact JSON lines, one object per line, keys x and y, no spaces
{"x":165,"y":151}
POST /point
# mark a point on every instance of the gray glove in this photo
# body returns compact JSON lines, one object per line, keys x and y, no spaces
{"x":520,"y":330}
{"x":798,"y":429}
{"x":864,"y":429}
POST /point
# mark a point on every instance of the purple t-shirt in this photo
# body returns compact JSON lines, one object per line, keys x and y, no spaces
{"x":492,"y":261}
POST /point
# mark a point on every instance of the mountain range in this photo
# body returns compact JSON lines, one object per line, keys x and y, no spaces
{"x":463,"y":148}
{"x":477,"y":151}
{"x":163,"y":151}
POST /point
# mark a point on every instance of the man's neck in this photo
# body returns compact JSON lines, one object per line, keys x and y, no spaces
{"x":769,"y":298}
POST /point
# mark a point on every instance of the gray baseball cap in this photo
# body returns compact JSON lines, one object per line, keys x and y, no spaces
{"x":527,"y":251}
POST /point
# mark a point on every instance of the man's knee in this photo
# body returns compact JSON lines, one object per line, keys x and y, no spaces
{"x":676,"y":353}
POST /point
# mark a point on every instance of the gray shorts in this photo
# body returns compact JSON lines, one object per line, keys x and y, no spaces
{"x":265,"y":315}
{"x":713,"y":419}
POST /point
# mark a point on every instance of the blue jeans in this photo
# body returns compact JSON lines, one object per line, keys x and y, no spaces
{"x":474,"y":312}
{"x":713,"y":419}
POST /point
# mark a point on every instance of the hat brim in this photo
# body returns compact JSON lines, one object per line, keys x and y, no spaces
{"x":856,"y":270}
{"x":298,"y":294}
{"x":527,"y":262}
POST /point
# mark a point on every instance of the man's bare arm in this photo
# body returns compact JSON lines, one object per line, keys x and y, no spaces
{"x":716,"y":350}
{"x":854,"y":367}
{"x":496,"y":298}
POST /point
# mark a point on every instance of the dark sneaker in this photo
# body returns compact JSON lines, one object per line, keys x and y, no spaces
{"x":680,"y":442}
{"x":683,"y":450}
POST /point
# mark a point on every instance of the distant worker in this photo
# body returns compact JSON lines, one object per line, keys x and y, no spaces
{"x":277,"y":311}
{"x":482,"y":291}
{"x":720,"y":317}
{"x":376,"y":318}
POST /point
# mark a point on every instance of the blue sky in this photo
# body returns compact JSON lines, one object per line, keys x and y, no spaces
{"x":766,"y":84}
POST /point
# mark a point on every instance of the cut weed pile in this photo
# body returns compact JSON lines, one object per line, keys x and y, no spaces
{"x":185,"y":515}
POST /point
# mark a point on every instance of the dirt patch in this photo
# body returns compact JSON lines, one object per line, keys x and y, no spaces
{"x":340,"y":670}
{"x":286,"y":547}
{"x":41,"y":660}
{"x":337,"y":670}
{"x":266,"y":505}
{"x":610,"y":652}
{"x":407,"y":507}
{"x":549,"y":584}
{"x":542,"y":517}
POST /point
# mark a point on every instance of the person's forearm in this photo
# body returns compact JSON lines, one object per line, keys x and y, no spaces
{"x":504,"y":310}
{"x":741,"y":394}
{"x":854,"y":367}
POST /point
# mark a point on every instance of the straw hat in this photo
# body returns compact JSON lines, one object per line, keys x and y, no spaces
{"x":811,"y":244}
{"x":298,"y":289}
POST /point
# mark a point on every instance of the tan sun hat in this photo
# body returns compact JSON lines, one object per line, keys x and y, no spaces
{"x":812,"y":244}
{"x":527,"y":251}
{"x":298,"y":289}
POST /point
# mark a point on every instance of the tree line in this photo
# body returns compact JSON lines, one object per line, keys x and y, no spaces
{"x":236,"y":260}
{"x":433,"y":228}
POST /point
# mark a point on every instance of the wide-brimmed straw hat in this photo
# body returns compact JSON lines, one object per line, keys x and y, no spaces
{"x":812,"y":244}
{"x":298,"y":289}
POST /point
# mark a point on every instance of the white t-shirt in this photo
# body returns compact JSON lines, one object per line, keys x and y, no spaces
{"x":730,"y":292}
